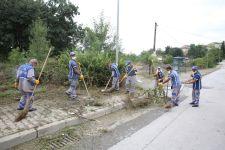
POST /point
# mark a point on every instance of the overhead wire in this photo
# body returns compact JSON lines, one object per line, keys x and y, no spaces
{"x":171,"y":36}
{"x":187,"y":33}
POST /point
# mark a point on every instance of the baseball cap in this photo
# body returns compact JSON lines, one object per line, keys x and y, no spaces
{"x":194,"y":68}
{"x":72,"y":54}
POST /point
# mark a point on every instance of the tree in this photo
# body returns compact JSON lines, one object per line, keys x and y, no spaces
{"x":39,"y":45}
{"x":159,"y":52}
{"x":63,"y":31}
{"x":198,"y":51}
{"x":213,"y":56}
{"x":167,"y":50}
{"x":175,"y":52}
{"x":99,"y":38}
{"x":16,"y":17}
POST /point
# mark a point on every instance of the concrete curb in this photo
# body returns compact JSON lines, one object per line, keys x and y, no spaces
{"x":17,"y":138}
{"x":27,"y":135}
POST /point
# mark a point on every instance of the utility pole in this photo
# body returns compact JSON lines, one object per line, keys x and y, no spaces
{"x":155,"y":38}
{"x":117,"y":33}
{"x":154,"y":52}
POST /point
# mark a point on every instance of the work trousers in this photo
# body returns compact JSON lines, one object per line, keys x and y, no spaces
{"x":25,"y":96}
{"x":130,"y":84}
{"x":73,"y":87}
{"x":175,"y":95}
{"x":195,"y":96}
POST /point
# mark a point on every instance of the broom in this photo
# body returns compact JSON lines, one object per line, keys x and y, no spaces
{"x":25,"y":111}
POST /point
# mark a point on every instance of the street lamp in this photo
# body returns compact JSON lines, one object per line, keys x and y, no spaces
{"x":117,"y":32}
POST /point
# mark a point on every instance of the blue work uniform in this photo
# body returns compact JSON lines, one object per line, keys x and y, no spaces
{"x":73,"y":79}
{"x":130,"y":71}
{"x":197,"y":86}
{"x":160,"y":75}
{"x":131,"y":78}
{"x":26,"y":84}
{"x":115,"y":75}
{"x":176,"y":85}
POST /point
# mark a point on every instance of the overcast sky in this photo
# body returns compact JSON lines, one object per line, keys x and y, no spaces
{"x":181,"y":22}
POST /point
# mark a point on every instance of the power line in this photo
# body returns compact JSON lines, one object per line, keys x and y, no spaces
{"x":177,"y":41}
{"x":189,"y":33}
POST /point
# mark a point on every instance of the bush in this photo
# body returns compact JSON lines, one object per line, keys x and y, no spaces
{"x":59,"y":72}
{"x":200,"y":62}
{"x":16,"y":57}
{"x":94,"y":66}
{"x":8,"y":69}
{"x":168,"y":59}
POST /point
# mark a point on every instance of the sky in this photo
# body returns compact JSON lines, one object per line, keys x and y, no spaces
{"x":180,"y":22}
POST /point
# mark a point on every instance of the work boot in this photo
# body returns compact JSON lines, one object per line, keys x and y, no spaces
{"x":32,"y":109}
{"x":68,"y":93}
{"x":72,"y":98}
{"x":19,"y":108}
{"x":195,"y":105}
{"x":192,"y":103}
{"x":175,"y":104}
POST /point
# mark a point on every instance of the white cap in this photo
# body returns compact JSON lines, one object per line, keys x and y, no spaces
{"x":72,"y":54}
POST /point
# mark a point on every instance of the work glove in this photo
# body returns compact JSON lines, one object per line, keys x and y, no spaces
{"x":160,"y":85}
{"x":15,"y":85}
{"x":160,"y":80}
{"x":36,"y":82}
{"x":81,"y":77}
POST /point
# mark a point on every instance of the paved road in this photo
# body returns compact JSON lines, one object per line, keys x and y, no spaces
{"x":185,"y":127}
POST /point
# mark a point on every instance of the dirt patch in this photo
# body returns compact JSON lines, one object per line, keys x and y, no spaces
{"x":53,"y":96}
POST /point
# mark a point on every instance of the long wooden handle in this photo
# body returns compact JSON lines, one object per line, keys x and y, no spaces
{"x":167,"y":86}
{"x":86,"y":88}
{"x":42,"y":69}
{"x":84,"y":81}
{"x":126,"y":74}
{"x":108,"y":83}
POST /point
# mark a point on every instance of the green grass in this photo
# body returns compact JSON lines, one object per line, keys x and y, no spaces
{"x":8,"y":93}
